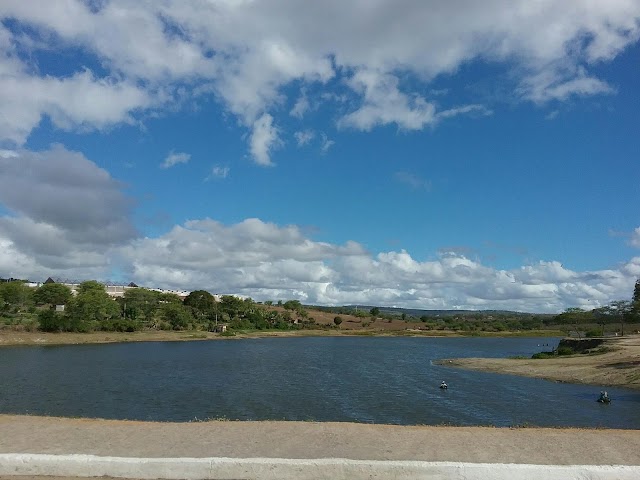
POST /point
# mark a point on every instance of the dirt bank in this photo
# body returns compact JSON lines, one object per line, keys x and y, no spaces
{"x":544,"y":446}
{"x":618,"y":367}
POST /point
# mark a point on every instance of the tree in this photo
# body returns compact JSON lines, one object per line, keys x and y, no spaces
{"x":91,"y":286}
{"x":92,"y":304}
{"x":375,"y":311}
{"x":52,"y":294}
{"x":292,"y":305}
{"x":138,"y":302}
{"x":177,"y":315}
{"x":16,"y":293}
{"x":202,"y":303}
{"x":337,"y":321}
{"x":622,"y":310}
{"x":635,"y":302}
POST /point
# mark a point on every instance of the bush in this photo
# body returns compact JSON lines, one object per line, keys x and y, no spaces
{"x":337,"y":321}
{"x":565,"y":351}
{"x":540,"y":355}
{"x":593,"y":333}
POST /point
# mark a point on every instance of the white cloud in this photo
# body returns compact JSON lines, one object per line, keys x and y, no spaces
{"x":635,"y":238}
{"x":152,"y":54}
{"x":264,"y":138}
{"x":413,"y":180}
{"x":552,"y":115}
{"x":266,"y":261}
{"x":384,"y":103}
{"x":304,"y":137}
{"x":218,"y":172}
{"x":175,"y":158}
{"x":301,"y":106}
{"x":326,"y":143}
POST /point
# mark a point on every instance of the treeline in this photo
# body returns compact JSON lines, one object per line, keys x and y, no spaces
{"x":53,"y":308}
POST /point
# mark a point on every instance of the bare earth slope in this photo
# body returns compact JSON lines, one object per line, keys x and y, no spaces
{"x":619,"y":367}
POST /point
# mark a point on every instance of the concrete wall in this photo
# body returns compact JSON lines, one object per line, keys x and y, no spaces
{"x":298,"y":469}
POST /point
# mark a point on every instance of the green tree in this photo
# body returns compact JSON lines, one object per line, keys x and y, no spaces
{"x":201,"y":302}
{"x":52,"y":294}
{"x":92,"y":304}
{"x":140,"y":302}
{"x":91,"y":286}
{"x":635,"y":301}
{"x":16,"y":294}
{"x":177,"y":315}
{"x":375,"y":311}
{"x":292,"y":305}
{"x":337,"y":321}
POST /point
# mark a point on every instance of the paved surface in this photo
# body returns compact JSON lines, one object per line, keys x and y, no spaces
{"x":311,"y":440}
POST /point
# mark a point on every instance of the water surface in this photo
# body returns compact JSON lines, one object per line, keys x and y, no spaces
{"x":360,"y":379}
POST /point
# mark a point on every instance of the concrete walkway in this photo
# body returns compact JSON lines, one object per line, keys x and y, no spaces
{"x":80,"y":447}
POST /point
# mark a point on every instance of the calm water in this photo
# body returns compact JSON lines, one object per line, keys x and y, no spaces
{"x":378,"y":380}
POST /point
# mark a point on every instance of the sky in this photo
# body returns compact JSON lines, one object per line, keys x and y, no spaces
{"x":408,"y":153}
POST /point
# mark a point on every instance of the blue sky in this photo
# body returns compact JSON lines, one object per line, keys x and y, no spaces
{"x":401,"y":153}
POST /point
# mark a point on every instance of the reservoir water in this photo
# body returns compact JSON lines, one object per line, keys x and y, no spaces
{"x":355,"y":379}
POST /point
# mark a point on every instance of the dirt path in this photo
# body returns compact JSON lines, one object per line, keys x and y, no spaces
{"x":620,"y":367}
{"x":544,"y":446}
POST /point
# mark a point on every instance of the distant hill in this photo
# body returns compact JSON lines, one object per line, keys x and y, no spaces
{"x":415,"y":312}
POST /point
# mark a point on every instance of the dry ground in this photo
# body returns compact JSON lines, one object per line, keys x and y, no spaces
{"x":619,"y":367}
{"x":545,"y":446}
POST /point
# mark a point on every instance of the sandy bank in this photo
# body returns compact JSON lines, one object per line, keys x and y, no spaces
{"x":620,"y":367}
{"x":312,"y":440}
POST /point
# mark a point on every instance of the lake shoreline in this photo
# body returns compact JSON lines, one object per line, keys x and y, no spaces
{"x":16,"y":338}
{"x":618,"y":367}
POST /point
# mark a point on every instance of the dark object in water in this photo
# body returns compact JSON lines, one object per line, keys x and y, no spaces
{"x":604,"y":398}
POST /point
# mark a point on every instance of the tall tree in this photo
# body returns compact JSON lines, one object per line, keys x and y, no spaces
{"x":635,"y":302}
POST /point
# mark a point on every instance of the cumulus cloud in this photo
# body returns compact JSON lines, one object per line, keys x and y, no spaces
{"x":65,"y":211}
{"x":246,"y":54}
{"x":174,"y":158}
{"x":266,"y":261}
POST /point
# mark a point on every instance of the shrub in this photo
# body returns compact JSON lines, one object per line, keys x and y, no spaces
{"x":337,"y":320}
{"x":540,"y":355}
{"x":565,"y":351}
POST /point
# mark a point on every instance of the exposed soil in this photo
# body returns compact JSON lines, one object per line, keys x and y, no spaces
{"x":545,"y":446}
{"x":619,"y":366}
